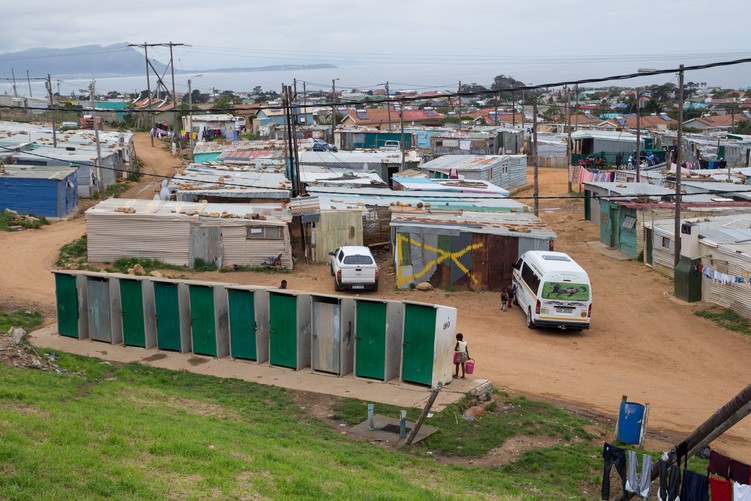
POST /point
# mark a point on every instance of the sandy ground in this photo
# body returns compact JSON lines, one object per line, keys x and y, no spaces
{"x":643,"y":343}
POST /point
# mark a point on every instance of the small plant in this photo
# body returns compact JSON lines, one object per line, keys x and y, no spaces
{"x":200,"y":265}
{"x":117,"y":189}
{"x":123,"y":264}
{"x":727,"y":319}
{"x":10,"y":219}
{"x":21,"y":318}
{"x":74,"y":252}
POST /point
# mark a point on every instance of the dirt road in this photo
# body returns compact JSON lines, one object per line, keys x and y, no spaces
{"x":642,"y":343}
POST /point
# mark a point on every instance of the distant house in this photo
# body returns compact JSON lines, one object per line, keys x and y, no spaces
{"x":209,"y":125}
{"x":506,"y":171}
{"x":716,"y":123}
{"x":381,"y":118}
{"x":162,"y":110}
{"x":465,"y":143}
{"x":368,"y":138}
{"x":42,"y":191}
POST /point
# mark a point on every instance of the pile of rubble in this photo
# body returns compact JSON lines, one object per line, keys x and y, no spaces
{"x":15,"y":353}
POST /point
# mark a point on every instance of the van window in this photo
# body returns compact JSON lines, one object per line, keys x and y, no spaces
{"x":529,"y":276}
{"x":518,"y":264}
{"x":565,"y":290}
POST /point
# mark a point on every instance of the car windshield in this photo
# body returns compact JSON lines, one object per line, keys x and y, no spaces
{"x":358,"y":259}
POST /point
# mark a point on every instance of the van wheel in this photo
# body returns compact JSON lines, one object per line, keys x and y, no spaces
{"x":337,"y":287}
{"x":530,"y":322}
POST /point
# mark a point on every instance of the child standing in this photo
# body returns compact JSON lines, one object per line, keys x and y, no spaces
{"x":510,"y":297}
{"x":462,"y":353}
{"x":504,"y":299}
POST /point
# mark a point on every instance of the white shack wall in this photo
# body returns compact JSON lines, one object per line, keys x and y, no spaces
{"x":237,"y":249}
{"x":115,"y":236}
{"x":736,"y":297}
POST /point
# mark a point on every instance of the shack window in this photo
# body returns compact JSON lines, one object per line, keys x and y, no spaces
{"x":406,"y":248}
{"x":629,"y":222}
{"x":264,"y":233}
{"x":665,"y":243}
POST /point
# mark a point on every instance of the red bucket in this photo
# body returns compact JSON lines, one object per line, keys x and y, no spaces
{"x":456,"y":356}
{"x":469,"y":366}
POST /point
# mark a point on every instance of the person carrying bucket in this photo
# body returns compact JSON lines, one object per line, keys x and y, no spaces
{"x":461,"y":354}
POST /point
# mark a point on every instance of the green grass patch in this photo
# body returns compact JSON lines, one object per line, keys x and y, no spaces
{"x":200,"y":265}
{"x":28,"y":320}
{"x":117,"y":189}
{"x":30,"y":222}
{"x":123,"y":264}
{"x":136,"y":432}
{"x":727,"y":319}
{"x":74,"y":252}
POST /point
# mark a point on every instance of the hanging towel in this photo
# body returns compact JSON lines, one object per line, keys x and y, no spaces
{"x":719,"y":464}
{"x":639,"y":484}
{"x":695,"y":487}
{"x":739,"y":472}
{"x":721,"y":489}
{"x":741,"y":492}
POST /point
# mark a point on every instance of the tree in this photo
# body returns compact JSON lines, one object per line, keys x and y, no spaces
{"x":226,"y":101}
{"x":553,"y":114}
{"x":501,"y":82}
{"x":742,"y":127}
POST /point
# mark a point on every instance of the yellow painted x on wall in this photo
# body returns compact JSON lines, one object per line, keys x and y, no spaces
{"x":441,"y":257}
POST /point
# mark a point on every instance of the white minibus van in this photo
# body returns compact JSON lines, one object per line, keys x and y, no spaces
{"x":552,"y":290}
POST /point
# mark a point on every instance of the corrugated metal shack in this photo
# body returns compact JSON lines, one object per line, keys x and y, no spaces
{"x":506,"y":171}
{"x":447,"y":186}
{"x":42,"y":191}
{"x":218,"y":183}
{"x":180,"y":232}
{"x":463,"y":249}
{"x":384,"y":163}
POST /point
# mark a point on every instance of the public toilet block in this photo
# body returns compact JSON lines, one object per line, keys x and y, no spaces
{"x":428,"y":345}
{"x":378,"y":338}
{"x":137,"y":311}
{"x":289,"y":329}
{"x":104,"y":308}
{"x":208,"y":318}
{"x":248,"y":322}
{"x":333,"y":334}
{"x":172,"y":308}
{"x":71,"y":295}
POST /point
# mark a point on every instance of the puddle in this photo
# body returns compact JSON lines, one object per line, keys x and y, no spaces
{"x":193,"y":361}
{"x":155,"y":357}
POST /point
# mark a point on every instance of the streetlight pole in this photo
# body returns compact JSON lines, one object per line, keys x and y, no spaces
{"x":638,"y":137}
{"x":333,"y":107}
{"x":679,"y":161}
{"x":388,"y":103}
{"x":190,"y":113}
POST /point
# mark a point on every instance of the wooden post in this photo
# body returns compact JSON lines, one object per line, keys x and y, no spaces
{"x":424,"y":414}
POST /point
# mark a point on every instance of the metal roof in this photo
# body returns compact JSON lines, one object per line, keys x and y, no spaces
{"x":349,"y":157}
{"x":272,"y":212}
{"x":516,"y":224}
{"x":449,"y":185}
{"x":36,"y":172}
{"x":605,"y":134}
{"x":628,"y":189}
{"x":469,"y":162}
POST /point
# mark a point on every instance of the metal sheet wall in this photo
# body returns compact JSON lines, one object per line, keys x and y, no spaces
{"x":237,"y":249}
{"x":335,"y":229}
{"x":736,"y":297}
{"x":30,"y":195}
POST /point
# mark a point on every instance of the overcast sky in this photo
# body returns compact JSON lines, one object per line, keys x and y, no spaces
{"x":533,"y":40}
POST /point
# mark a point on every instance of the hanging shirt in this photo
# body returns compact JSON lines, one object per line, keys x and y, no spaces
{"x":721,"y":489}
{"x":741,"y":492}
{"x":739,"y":472}
{"x":718,"y":464}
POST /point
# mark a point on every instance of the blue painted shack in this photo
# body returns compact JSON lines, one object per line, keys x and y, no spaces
{"x":42,"y":191}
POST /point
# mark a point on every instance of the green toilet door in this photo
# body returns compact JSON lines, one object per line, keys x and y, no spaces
{"x":419,"y":344}
{"x":202,"y":323}
{"x":67,"y":305}
{"x":370,"y":357}
{"x":283,"y":330}
{"x":131,"y":299}
{"x":167,"y":316}
{"x":242,"y":324}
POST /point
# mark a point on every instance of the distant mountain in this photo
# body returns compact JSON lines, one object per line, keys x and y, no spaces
{"x":97,"y":61}
{"x":84,"y":61}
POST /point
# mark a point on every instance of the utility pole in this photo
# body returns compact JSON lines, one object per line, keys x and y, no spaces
{"x":15,"y":91}
{"x":190,"y":119}
{"x":333,"y":107}
{"x":388,"y":104}
{"x":679,"y":161}
{"x":28,"y":79}
{"x":401,"y":142}
{"x":534,"y":156}
{"x":576,"y":109}
{"x":459,"y":98}
{"x":638,"y":137}
{"x":174,"y":95}
{"x":568,"y":129}
{"x":92,"y":98}
{"x":513,"y":108}
{"x":52,"y":111}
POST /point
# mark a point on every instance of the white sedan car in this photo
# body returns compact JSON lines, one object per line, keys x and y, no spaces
{"x":354,"y":268}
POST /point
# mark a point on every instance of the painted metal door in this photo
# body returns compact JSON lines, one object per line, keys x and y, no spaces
{"x":615,"y":227}
{"x":370,"y":357}
{"x":419,"y":344}
{"x":327,"y":336}
{"x":203,"y":326}
{"x":67,"y":305}
{"x":605,"y":222}
{"x":242,"y":324}
{"x":283,"y":330}
{"x":100,"y":317}
{"x":167,"y":316}
{"x":131,"y":299}
{"x":649,"y":244}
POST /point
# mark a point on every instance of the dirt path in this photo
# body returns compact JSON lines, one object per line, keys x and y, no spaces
{"x":642,"y":343}
{"x":156,"y":160}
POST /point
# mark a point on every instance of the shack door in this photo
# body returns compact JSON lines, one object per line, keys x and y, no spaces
{"x":370,"y":357}
{"x":67,"y":305}
{"x":283,"y":330}
{"x":206,"y":244}
{"x":203,"y":327}
{"x":242,"y":324}
{"x":326,"y":335}
{"x":167,"y":316}
{"x":649,"y":242}
{"x":100,"y":318}
{"x":419,"y":344}
{"x":131,"y":298}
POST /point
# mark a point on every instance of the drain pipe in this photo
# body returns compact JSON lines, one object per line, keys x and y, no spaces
{"x":402,"y":424}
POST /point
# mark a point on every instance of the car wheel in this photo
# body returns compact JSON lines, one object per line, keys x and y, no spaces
{"x":530,"y":322}
{"x":337,"y":287}
{"x":332,"y":270}
{"x":375,"y":286}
